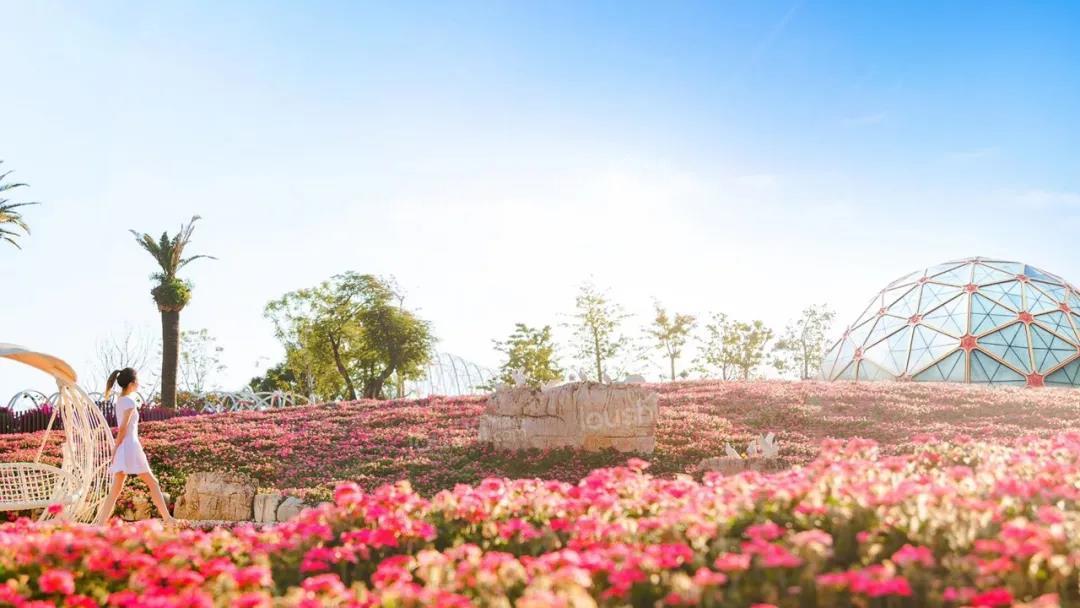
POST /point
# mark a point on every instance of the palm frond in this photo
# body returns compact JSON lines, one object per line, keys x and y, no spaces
{"x":168,"y":251}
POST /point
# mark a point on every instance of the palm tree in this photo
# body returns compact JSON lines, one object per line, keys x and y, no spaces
{"x":171,"y":294}
{"x":9,"y":214}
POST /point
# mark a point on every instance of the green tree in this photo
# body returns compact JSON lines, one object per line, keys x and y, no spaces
{"x":11,"y":220}
{"x":280,"y":378}
{"x":802,"y":344}
{"x":351,"y":334}
{"x":747,"y":346}
{"x":200,"y":359}
{"x":734,"y":348}
{"x":671,"y":333}
{"x":171,"y":294}
{"x":714,"y":352}
{"x":597,"y":329}
{"x":531,"y":351}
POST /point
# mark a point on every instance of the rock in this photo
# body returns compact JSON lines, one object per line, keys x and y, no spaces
{"x":266,"y":507}
{"x":290,"y":508}
{"x":733,"y":465}
{"x":217,"y":496}
{"x":585,"y":415}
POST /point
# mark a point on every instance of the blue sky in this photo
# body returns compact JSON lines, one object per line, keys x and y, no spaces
{"x":746,"y":157}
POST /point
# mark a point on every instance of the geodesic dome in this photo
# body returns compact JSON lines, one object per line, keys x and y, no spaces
{"x":976,"y":320}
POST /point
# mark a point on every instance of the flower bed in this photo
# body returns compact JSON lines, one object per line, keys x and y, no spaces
{"x":951,"y":524}
{"x":432,"y":442}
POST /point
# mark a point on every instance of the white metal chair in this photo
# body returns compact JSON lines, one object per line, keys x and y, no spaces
{"x":81,"y":482}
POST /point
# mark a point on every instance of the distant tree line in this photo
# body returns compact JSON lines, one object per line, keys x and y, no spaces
{"x":727,"y":349}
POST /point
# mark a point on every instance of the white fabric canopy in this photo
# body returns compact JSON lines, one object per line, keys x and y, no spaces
{"x":49,"y":364}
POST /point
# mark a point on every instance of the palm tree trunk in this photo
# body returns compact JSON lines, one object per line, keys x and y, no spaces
{"x":170,"y":346}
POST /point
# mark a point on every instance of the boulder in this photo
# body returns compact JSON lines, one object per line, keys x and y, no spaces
{"x":290,"y":508}
{"x":266,"y":507}
{"x":217,"y":496}
{"x":586,"y":415}
{"x":733,"y":465}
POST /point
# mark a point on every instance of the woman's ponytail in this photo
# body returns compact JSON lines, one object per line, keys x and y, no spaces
{"x":110,"y":383}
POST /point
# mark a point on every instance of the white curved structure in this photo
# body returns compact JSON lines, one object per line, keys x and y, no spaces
{"x":450,"y":375}
{"x":81,"y":481}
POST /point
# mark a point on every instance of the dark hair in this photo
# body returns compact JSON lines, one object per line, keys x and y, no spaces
{"x":124,"y":377}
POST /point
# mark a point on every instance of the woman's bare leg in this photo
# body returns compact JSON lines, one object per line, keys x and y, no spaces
{"x":107,"y":507}
{"x":156,"y":495}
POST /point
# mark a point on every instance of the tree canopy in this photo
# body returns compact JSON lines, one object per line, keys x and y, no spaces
{"x":350,"y":335}
{"x":531,"y":352}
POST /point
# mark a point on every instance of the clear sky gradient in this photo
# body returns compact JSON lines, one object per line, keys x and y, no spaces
{"x":746,"y":157}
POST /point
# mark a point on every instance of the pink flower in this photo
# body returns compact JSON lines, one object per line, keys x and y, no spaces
{"x":57,"y":581}
{"x":908,"y":554}
{"x":999,"y":596}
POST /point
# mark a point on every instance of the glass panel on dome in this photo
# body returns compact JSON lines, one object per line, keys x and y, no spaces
{"x":928,"y":346}
{"x":891,"y":354}
{"x":1037,"y":301}
{"x":906,"y":305}
{"x":828,"y":362}
{"x":950,"y":318}
{"x":1010,"y":345}
{"x":909,"y":278}
{"x":934,"y":294}
{"x":1008,"y":294}
{"x":1048,"y":350}
{"x":1035,"y":273}
{"x":1053,"y":290}
{"x":1012,"y":268}
{"x":858,"y":334}
{"x":870,"y":311}
{"x":1058,"y":323}
{"x":1066,"y":376}
{"x":986,"y":315}
{"x":949,"y":369}
{"x":1074,"y":301}
{"x":885,"y":326}
{"x":985,"y":274}
{"x":957,"y":275}
{"x":985,"y":369}
{"x":848,"y":373}
{"x":871,"y":372}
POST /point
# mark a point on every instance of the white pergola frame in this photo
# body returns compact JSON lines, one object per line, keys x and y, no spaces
{"x":80,"y":483}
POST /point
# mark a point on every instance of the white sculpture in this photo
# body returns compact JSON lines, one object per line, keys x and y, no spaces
{"x":81,"y":482}
{"x":519,"y":378}
{"x":764,"y":446}
{"x":583,"y":375}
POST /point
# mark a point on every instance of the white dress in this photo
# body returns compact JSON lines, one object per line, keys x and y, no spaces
{"x":130,"y":457}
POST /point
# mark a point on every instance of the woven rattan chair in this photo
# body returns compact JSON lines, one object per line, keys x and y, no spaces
{"x":81,"y":482}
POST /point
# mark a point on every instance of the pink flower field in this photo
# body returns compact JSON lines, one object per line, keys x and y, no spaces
{"x":900,"y":495}
{"x":951,"y":524}
{"x":432,"y":442}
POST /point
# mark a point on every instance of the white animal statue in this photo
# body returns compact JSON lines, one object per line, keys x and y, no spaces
{"x":606,"y":378}
{"x":764,"y":446}
{"x":519,"y":378}
{"x":583,"y":375}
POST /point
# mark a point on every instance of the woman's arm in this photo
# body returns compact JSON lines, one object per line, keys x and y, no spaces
{"x":121,"y":430}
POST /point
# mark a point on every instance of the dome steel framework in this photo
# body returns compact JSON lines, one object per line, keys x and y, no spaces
{"x":976,"y":320}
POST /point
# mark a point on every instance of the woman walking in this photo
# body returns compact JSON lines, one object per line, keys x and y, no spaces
{"x":129,"y":459}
